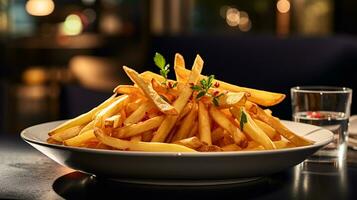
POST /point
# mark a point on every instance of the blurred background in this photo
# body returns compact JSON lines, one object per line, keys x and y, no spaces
{"x":59,"y":58}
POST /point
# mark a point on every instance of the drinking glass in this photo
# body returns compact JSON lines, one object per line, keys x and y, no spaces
{"x":329,"y":108}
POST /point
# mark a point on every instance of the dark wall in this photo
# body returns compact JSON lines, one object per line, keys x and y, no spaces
{"x":269,"y":63}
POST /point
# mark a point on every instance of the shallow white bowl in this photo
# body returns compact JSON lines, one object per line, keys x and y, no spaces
{"x":200,"y":168}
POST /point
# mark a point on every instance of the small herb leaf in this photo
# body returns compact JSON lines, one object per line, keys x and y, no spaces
{"x":200,"y":94}
{"x":215,"y":101}
{"x":196,"y":87}
{"x":243,"y":119}
{"x":159,"y":60}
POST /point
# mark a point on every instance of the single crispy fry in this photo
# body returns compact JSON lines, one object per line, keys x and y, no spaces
{"x":260,"y":97}
{"x":224,"y":122}
{"x":135,"y":129}
{"x":282,"y":144}
{"x":179,"y":62}
{"x":87,"y":127}
{"x":168,"y":94}
{"x":114,"y":121}
{"x":192,"y":142}
{"x":185,"y":111}
{"x":180,"y":102}
{"x":231,"y":147}
{"x":128,"y":89}
{"x":139,"y":146}
{"x":209,"y":148}
{"x":150,"y":93}
{"x":110,"y":110}
{"x":227,"y":139}
{"x":271,"y":133}
{"x":250,"y":128}
{"x":204,"y":126}
{"x":148,"y":76}
{"x":147,"y":136}
{"x":82,"y":119}
{"x":217,"y":134}
{"x":232,"y":99}
{"x":194,"y":130}
{"x":66,"y":134}
{"x":81,"y":139}
{"x":186,"y":125}
{"x":132,"y":106}
{"x":139,"y":113}
{"x":278,"y":126}
{"x":136,"y":138}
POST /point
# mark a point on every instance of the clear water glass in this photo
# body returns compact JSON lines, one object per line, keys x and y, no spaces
{"x":329,"y":108}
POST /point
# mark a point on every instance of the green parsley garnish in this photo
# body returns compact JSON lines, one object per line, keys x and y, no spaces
{"x":243,"y":119}
{"x":161,"y":63}
{"x":202,"y":89}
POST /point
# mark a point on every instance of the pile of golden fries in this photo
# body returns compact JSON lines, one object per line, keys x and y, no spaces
{"x":189,"y":114}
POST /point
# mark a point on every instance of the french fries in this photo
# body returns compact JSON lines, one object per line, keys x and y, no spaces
{"x":180,"y":102}
{"x":248,"y":126}
{"x":193,"y":113}
{"x":204,"y":126}
{"x":260,"y":97}
{"x":239,"y":138}
{"x":82,"y":119}
{"x":161,"y":104}
{"x":137,"y":145}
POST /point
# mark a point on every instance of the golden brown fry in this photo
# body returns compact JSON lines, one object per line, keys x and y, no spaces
{"x":251,"y":129}
{"x":260,"y":97}
{"x":114,"y":121}
{"x":204,"y":126}
{"x":271,"y":133}
{"x":80,"y":140}
{"x":217,"y":134}
{"x":150,"y":93}
{"x":192,"y":142}
{"x":135,"y":129}
{"x":87,"y":127}
{"x":179,"y":63}
{"x":132,"y":106}
{"x":186,"y":125}
{"x":128,"y":89}
{"x":82,"y":119}
{"x":169,"y":94}
{"x":180,"y":102}
{"x":66,"y":134}
{"x":209,"y":148}
{"x":232,"y":99}
{"x":148,"y":76}
{"x":110,"y":110}
{"x":224,"y":122}
{"x":278,"y":126}
{"x":185,"y":111}
{"x":139,"y":113}
{"x":194,"y":130}
{"x":227,"y":139}
{"x":231,"y":147}
{"x":147,"y":136}
{"x":139,"y":146}
{"x":136,"y":138}
{"x":52,"y":141}
{"x":282,"y":144}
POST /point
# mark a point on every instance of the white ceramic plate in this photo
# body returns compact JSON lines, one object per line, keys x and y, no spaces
{"x":201,"y":168}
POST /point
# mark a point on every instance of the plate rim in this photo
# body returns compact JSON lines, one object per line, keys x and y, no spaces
{"x":169,"y":154}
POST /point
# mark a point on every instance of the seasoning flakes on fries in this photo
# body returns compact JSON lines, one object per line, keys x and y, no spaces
{"x":194,"y":113}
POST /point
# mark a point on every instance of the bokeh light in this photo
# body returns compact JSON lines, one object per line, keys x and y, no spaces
{"x":72,"y":25}
{"x":283,"y":6}
{"x":40,"y":7}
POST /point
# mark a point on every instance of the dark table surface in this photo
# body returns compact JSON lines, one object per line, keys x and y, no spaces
{"x":27,"y":174}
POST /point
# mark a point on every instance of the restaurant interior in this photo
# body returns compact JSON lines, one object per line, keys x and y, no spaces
{"x":60,"y":58}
